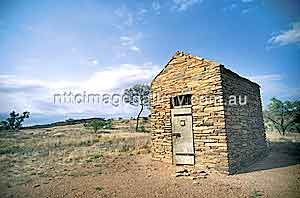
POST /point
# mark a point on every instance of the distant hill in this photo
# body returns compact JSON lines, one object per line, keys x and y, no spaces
{"x":37,"y":118}
{"x":62,"y":123}
{"x":3,"y":116}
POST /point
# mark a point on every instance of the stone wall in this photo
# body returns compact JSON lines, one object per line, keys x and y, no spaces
{"x":244,"y":121}
{"x":226,"y":137}
{"x":186,"y":74}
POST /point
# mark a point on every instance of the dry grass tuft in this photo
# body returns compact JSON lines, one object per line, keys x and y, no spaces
{"x":62,"y":151}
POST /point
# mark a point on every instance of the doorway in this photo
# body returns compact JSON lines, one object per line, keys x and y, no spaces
{"x":182,"y":133}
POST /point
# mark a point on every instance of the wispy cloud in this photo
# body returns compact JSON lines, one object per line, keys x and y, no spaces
{"x":230,"y":7}
{"x":89,"y":61}
{"x":94,"y":61}
{"x":247,"y":1}
{"x":129,"y":17}
{"x":245,"y":11}
{"x":156,"y":6}
{"x":291,"y":36}
{"x":126,"y":16}
{"x":135,"y":48}
{"x":266,"y":77}
{"x":272,"y":85}
{"x":183,"y":5}
{"x":129,"y":42}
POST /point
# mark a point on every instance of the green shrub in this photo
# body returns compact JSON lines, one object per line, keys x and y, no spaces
{"x":99,"y":124}
{"x":10,"y":149}
{"x":256,"y":194}
{"x":142,"y":129}
{"x":14,"y":121}
{"x":99,"y":188}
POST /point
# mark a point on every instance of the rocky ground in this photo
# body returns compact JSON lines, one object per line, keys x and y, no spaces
{"x":119,"y":165}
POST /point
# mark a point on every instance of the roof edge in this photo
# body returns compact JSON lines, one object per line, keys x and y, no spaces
{"x":239,"y":76}
{"x":181,"y":53}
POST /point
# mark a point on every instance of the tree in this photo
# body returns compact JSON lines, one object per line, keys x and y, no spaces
{"x":283,"y":115}
{"x":99,"y":124}
{"x":14,"y":121}
{"x":138,"y":95}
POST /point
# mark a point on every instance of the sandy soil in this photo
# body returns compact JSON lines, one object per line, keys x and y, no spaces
{"x":126,"y":168}
{"x":139,"y":176}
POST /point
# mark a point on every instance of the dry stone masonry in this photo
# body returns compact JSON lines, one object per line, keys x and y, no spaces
{"x":227,"y":125}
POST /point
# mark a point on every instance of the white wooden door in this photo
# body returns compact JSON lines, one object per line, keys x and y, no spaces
{"x":182,"y":135}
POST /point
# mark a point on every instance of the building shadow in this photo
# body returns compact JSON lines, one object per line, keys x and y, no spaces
{"x":281,"y":154}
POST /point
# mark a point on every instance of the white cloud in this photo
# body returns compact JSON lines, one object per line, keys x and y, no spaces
{"x":230,"y":7}
{"x":118,"y":77}
{"x":266,"y":77}
{"x":94,"y":61}
{"x":183,"y":5}
{"x":156,"y":6}
{"x":89,"y":61}
{"x":129,"y":42}
{"x":290,"y":36}
{"x":11,"y":82}
{"x":128,"y":17}
{"x":142,"y":11}
{"x":37,"y":95}
{"x":126,"y":40}
{"x":247,"y":1}
{"x":125,"y":15}
{"x":135,"y":48}
{"x":245,"y":11}
{"x":272,"y":85}
{"x":108,"y":79}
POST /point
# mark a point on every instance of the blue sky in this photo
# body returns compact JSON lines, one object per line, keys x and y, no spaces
{"x":48,"y":47}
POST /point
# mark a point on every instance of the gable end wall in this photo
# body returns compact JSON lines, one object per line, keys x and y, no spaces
{"x":185,"y":74}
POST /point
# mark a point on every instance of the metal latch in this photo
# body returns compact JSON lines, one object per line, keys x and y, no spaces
{"x":176,"y":134}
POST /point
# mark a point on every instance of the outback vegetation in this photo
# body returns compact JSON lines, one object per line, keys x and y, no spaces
{"x":71,"y":150}
{"x":99,"y":124}
{"x":138,"y":95}
{"x":108,"y":158}
{"x":14,"y":121}
{"x":283,"y":116}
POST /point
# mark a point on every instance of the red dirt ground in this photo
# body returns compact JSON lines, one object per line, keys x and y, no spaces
{"x":139,"y":176}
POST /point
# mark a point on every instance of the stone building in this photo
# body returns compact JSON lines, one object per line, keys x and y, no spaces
{"x":205,"y":115}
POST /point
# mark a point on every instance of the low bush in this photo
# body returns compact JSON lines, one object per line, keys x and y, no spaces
{"x":14,"y":121}
{"x":99,"y":124}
